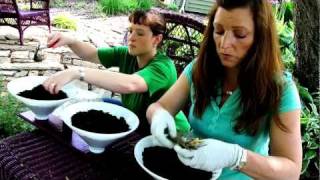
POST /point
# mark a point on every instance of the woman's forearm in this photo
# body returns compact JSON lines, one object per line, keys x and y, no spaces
{"x":115,"y":81}
{"x":271,"y":167}
{"x":85,"y":51}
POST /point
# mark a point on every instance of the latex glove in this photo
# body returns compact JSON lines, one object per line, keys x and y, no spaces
{"x":216,"y":174}
{"x":162,"y":120}
{"x":212,"y":156}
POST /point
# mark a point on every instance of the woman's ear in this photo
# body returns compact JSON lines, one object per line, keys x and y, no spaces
{"x":158,"y":39}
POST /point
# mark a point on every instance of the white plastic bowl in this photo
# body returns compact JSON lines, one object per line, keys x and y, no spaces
{"x":98,"y":141}
{"x":138,"y":154}
{"x":41,"y":108}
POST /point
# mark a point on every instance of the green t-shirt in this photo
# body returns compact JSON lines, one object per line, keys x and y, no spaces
{"x":159,"y":74}
{"x":218,"y":122}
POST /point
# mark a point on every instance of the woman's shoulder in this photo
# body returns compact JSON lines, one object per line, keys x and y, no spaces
{"x":290,"y":96}
{"x":287,"y":79}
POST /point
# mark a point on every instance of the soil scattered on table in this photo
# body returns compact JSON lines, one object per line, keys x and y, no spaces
{"x":165,"y":163}
{"x":99,"y":122}
{"x":40,"y":93}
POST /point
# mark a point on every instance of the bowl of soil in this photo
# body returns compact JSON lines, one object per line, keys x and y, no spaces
{"x":30,"y":91}
{"x":163,"y":163}
{"x":99,"y":123}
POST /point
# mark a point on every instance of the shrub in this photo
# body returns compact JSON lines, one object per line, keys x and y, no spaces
{"x":285,"y":27}
{"x":115,"y":7}
{"x":310,"y":130}
{"x":145,"y":4}
{"x":10,"y":124}
{"x":65,"y":22}
{"x":173,"y":7}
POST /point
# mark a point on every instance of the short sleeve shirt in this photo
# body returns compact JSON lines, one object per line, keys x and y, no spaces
{"x":159,"y":75}
{"x":218,"y":122}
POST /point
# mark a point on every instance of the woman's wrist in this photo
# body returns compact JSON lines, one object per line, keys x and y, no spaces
{"x":74,"y":73}
{"x":81,"y":73}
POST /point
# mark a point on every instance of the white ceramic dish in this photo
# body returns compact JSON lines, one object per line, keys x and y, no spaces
{"x":42,"y":108}
{"x":138,"y":154}
{"x":98,"y":141}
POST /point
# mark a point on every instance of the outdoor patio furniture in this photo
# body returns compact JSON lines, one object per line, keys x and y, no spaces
{"x":36,"y":14}
{"x":182,"y":38}
{"x":48,"y":154}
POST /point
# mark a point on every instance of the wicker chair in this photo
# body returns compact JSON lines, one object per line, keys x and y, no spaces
{"x":182,"y":39}
{"x":37,"y":14}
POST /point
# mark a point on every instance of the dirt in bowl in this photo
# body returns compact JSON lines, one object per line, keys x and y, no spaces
{"x":99,"y":122}
{"x":40,"y":93}
{"x":165,"y":163}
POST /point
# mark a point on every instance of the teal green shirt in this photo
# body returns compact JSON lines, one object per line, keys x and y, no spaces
{"x":218,"y":122}
{"x":159,"y":75}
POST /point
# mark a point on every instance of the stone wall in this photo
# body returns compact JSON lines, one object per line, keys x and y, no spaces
{"x":32,"y":59}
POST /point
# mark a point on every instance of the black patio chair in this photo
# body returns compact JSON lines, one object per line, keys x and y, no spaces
{"x":37,"y":14}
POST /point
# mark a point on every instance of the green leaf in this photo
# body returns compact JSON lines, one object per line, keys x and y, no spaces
{"x":305,"y":164}
{"x":310,"y":154}
{"x":304,"y":94}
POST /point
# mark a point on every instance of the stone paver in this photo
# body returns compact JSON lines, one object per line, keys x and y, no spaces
{"x":5,"y":53}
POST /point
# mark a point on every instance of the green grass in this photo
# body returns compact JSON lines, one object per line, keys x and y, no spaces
{"x":10,"y":123}
{"x":116,"y":7}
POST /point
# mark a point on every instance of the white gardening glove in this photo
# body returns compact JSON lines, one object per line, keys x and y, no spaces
{"x":162,"y":120}
{"x":213,"y":155}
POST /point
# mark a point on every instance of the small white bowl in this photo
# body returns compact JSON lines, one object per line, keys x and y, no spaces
{"x":98,"y":141}
{"x":41,"y":108}
{"x":143,"y":143}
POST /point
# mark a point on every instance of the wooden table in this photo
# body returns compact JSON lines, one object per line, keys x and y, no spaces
{"x":48,"y":153}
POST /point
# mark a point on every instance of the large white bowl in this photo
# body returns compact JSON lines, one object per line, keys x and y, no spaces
{"x":98,"y":141}
{"x":138,"y":154}
{"x":42,"y":108}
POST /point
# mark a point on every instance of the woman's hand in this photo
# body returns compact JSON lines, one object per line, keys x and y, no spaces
{"x":160,"y":121}
{"x":55,"y":82}
{"x":58,"y":39}
{"x":213,"y":156}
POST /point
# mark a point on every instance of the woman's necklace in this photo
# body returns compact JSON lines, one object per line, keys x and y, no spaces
{"x":228,"y":90}
{"x":229,"y":93}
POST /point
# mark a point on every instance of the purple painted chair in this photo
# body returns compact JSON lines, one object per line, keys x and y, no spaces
{"x":37,"y":14}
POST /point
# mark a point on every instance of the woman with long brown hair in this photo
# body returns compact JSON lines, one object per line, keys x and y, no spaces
{"x":243,"y":102}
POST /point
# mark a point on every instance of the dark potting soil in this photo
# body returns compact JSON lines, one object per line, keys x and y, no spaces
{"x":165,"y":163}
{"x":40,"y":93}
{"x":99,"y":122}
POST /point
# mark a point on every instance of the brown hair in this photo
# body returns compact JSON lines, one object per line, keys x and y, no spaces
{"x":152,"y":19}
{"x":259,"y":74}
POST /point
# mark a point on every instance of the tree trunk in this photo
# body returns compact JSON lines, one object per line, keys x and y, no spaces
{"x":307,"y":41}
